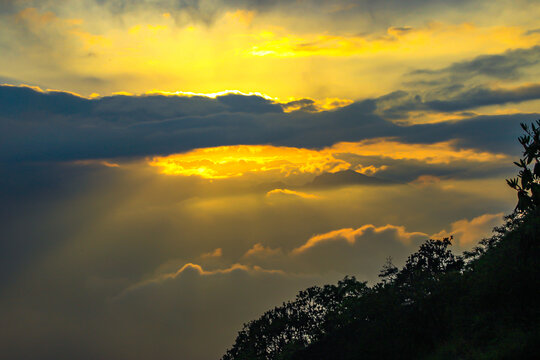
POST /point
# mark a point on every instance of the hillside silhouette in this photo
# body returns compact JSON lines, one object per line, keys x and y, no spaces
{"x":483,"y":304}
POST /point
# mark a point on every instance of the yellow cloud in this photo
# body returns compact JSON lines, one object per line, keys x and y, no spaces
{"x":244,"y":17}
{"x":198,"y":269}
{"x":232,"y":161}
{"x":288,"y":192}
{"x":33,"y":17}
{"x":316,"y":105}
{"x":432,"y":40}
{"x":443,"y":152}
{"x":468,"y":232}
{"x":238,"y":160}
{"x":213,"y":254}
{"x":351,"y":235}
{"x":258,"y":250}
{"x":426,"y":181}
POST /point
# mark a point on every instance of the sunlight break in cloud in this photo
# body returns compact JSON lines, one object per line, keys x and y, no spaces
{"x":430,"y":41}
{"x":234,"y":161}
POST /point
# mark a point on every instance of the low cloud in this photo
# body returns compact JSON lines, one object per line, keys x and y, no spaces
{"x":360,"y":251}
{"x":467,"y":233}
{"x":351,"y":236}
{"x":290,"y":193}
{"x":426,"y":180}
{"x":202,"y":309}
{"x":213,"y":254}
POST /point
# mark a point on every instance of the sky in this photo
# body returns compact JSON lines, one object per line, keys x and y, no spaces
{"x":172,"y":169}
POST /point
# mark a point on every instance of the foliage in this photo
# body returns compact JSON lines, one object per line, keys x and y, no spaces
{"x":527,"y":183}
{"x":297,"y":323}
{"x":482,"y":305}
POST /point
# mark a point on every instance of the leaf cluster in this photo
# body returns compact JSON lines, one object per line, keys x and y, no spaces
{"x":527,"y":182}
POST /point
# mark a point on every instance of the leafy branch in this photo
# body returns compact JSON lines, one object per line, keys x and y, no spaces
{"x":527,"y":183}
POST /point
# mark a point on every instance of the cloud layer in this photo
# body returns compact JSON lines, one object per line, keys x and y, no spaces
{"x":58,"y":126}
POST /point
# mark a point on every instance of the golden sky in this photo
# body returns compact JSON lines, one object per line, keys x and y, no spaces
{"x":89,"y":47}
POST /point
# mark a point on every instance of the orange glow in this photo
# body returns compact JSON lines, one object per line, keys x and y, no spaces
{"x":232,"y":161}
{"x":291,"y":193}
{"x":317,"y":105}
{"x":209,"y":95}
{"x":238,"y":160}
{"x":438,"y":153}
{"x":350,"y":235}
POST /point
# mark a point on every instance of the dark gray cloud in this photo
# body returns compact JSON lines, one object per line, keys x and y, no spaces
{"x":53,"y":126}
{"x":486,"y":80}
{"x":508,"y":65}
{"x":497,"y":133}
{"x":208,"y":7}
{"x":533,"y":31}
{"x":481,"y":96}
{"x":376,"y":15}
{"x":456,"y":98}
{"x":8,"y":6}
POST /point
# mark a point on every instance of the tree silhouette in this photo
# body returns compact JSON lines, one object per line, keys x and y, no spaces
{"x":298,"y":323}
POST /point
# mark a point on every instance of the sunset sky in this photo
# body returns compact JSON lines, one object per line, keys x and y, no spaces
{"x":172,"y":169}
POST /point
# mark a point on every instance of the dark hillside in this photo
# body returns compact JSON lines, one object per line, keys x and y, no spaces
{"x":489,"y":309}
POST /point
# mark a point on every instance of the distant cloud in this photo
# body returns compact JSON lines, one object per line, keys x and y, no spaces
{"x":197,"y":312}
{"x":259,"y":250}
{"x":508,"y":65}
{"x":293,"y":193}
{"x":468,"y":232}
{"x":207,"y":10}
{"x":218,"y":252}
{"x":354,"y":251}
{"x":426,"y":180}
{"x":351,"y":236}
{"x":482,"y":96}
{"x":456,"y":99}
